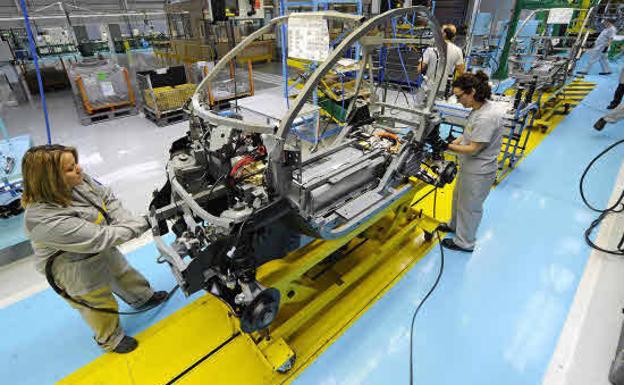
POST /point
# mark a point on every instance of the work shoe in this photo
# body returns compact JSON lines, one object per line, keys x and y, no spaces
{"x":600,"y":124}
{"x":444,"y":227}
{"x":612,"y":106}
{"x":605,"y":73}
{"x":156,"y":299}
{"x":449,"y":244}
{"x":126,"y":345}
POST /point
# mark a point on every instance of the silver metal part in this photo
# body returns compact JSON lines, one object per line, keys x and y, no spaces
{"x":219,"y":137}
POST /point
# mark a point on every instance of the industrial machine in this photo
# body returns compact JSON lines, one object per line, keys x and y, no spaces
{"x":241,"y":194}
{"x":548,"y":59}
{"x":519,"y":11}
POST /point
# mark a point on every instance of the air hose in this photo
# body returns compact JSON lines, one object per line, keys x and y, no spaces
{"x":426,"y":297}
{"x":50,"y":278}
{"x":617,"y":207}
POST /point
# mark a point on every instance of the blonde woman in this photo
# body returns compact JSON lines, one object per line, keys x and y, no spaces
{"x":77,"y":223}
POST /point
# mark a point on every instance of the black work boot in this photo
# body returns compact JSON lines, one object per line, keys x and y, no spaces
{"x":617,"y":97}
{"x":600,"y":124}
{"x":156,"y":299}
{"x":445,"y":228}
{"x":449,"y":244}
{"x":126,"y":345}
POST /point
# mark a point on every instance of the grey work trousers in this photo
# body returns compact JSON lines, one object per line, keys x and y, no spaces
{"x":470,"y":192}
{"x":594,"y":55}
{"x":122,"y":280}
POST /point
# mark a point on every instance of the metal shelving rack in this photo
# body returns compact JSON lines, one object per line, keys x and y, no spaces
{"x":314,"y":5}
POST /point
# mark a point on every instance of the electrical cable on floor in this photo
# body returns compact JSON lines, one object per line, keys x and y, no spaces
{"x":50,"y":278}
{"x":617,"y":207}
{"x":426,"y":297}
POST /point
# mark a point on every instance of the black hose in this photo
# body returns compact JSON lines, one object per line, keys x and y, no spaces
{"x":50,"y":278}
{"x":615,"y":208}
{"x":426,"y":297}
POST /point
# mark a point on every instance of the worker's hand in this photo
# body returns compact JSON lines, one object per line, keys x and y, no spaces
{"x":439,"y":145}
{"x":146,"y":219}
{"x":138,"y":224}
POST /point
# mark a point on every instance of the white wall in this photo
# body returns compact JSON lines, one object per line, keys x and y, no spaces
{"x":500,"y":10}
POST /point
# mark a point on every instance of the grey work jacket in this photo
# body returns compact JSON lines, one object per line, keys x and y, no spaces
{"x":90,"y":257}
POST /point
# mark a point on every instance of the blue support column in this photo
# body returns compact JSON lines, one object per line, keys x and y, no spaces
{"x":33,"y":50}
{"x":283,"y":10}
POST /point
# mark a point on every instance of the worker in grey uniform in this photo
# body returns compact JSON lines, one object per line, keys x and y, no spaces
{"x":599,"y":51}
{"x":76,"y":221}
{"x":477,"y":148}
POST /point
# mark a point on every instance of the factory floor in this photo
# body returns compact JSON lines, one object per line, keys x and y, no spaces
{"x":532,"y":304}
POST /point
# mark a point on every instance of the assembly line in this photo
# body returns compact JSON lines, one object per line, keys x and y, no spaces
{"x":389,"y":201}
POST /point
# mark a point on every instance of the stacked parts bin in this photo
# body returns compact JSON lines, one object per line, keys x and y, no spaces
{"x":229,"y":85}
{"x":165,"y":91}
{"x":102,"y":89}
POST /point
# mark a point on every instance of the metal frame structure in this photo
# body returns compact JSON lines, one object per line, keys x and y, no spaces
{"x":520,"y":5}
{"x":284,"y":129}
{"x":283,"y":192}
{"x":285,"y":6}
{"x":240,"y":240}
{"x":550,"y":71}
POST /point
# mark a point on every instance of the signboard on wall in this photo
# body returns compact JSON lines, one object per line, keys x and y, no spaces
{"x":308,"y":38}
{"x":560,"y":16}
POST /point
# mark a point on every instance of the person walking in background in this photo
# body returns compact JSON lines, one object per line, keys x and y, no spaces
{"x":599,"y":52}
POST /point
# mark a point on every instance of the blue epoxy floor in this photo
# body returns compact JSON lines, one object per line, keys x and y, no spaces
{"x":44,"y":339}
{"x":494,"y":319}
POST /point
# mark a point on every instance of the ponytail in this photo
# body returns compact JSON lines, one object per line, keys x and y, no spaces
{"x":449,"y":34}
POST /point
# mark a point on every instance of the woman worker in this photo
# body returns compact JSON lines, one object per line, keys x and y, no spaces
{"x":454,"y":58}
{"x":78,"y":223}
{"x":478,"y":150}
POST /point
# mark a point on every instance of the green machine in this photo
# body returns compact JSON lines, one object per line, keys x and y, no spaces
{"x":522,"y":5}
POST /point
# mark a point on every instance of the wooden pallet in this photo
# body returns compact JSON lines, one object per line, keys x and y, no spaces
{"x":165,"y":118}
{"x":103,"y":116}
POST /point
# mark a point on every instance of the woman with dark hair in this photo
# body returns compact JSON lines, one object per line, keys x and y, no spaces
{"x":77,"y":223}
{"x":477,"y":148}
{"x":454,"y":58}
